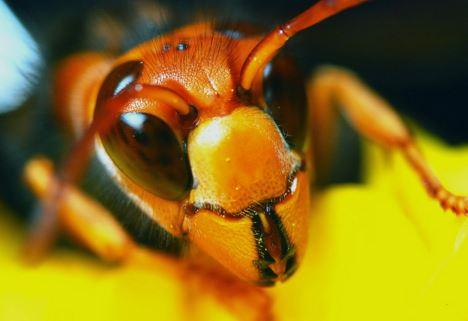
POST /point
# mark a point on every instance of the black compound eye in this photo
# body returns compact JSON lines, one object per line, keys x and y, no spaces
{"x":119,"y":78}
{"x":146,"y":149}
{"x":286,"y":100}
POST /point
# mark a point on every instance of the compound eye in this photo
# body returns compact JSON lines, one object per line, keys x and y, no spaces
{"x":147,"y":150}
{"x":118,"y":79}
{"x":286,"y":100}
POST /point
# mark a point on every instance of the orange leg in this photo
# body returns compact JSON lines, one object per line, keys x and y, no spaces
{"x":373,"y":118}
{"x":86,"y":220}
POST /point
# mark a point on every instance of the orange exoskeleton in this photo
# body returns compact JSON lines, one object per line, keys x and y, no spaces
{"x":207,"y":132}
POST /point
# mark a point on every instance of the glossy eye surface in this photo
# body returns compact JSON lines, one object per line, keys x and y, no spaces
{"x":286,"y":100}
{"x":146,"y":149}
{"x":118,"y":79}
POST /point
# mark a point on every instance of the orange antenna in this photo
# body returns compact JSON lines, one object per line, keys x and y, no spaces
{"x":267,"y":48}
{"x":106,"y":115}
{"x":163,"y":95}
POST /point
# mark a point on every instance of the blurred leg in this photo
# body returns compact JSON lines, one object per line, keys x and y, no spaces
{"x":79,"y":215}
{"x":373,"y":118}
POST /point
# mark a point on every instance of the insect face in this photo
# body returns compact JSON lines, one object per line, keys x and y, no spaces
{"x":228,"y":180}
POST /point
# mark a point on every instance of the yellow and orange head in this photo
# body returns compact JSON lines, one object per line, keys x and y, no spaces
{"x":205,"y":159}
{"x":189,"y":126}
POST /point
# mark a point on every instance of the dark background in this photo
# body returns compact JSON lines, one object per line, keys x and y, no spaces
{"x":415,"y":53}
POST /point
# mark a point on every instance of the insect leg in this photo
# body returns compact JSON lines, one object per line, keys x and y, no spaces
{"x":85,"y":219}
{"x":374,"y":118}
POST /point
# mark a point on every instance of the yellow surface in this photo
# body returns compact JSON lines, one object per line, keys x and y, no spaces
{"x":380,"y":251}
